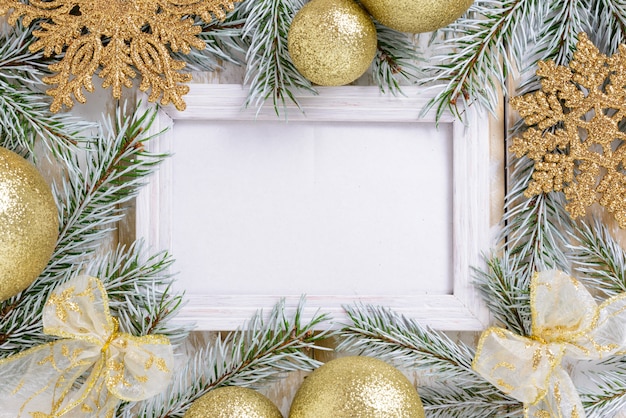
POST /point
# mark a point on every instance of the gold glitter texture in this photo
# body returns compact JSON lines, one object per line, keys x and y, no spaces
{"x":332,"y":42}
{"x":350,"y":387}
{"x":119,"y":37}
{"x":233,"y":402}
{"x":29,"y":223}
{"x":574,"y":138}
{"x":416,"y":16}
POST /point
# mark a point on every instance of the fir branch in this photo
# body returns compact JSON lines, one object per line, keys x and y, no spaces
{"x":117,"y":166}
{"x":17,"y":63}
{"x":25,"y":118}
{"x":555,"y":37}
{"x":270,"y":72}
{"x":506,"y":292}
{"x":479,"y":50}
{"x":599,"y":258}
{"x":395,"y":60}
{"x":443,"y":401}
{"x":473,"y":59}
{"x":139,"y":290}
{"x":566,"y":19}
{"x":537,"y":229}
{"x":535,"y":232}
{"x":24,"y":110}
{"x":558,"y":30}
{"x":608,"y":24}
{"x":223,"y":42}
{"x":608,"y":395}
{"x":379,"y":332}
{"x":89,"y":205}
{"x":261,"y":353}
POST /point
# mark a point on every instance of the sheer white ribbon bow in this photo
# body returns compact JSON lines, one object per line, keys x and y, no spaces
{"x":566,"y":323}
{"x":91,"y":369}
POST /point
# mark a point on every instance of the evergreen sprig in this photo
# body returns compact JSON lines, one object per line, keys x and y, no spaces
{"x":223,"y":42}
{"x":477,"y":53}
{"x":139,"y":290}
{"x":604,"y":392}
{"x":535,"y":233}
{"x":505,"y":291}
{"x":460,"y":392}
{"x":608,"y":24}
{"x":534,"y":230}
{"x":599,"y":258}
{"x":262,"y":352}
{"x":557,"y":30}
{"x":555,"y":34}
{"x":445,"y":401}
{"x":397,"y":59}
{"x":17,"y":63}
{"x":472,"y":58}
{"x":25,"y":117}
{"x":270,"y":72}
{"x":89,"y":200}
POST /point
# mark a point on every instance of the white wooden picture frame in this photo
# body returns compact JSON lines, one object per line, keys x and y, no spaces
{"x":459,"y":309}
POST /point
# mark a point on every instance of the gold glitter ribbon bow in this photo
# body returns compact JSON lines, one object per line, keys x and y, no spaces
{"x":91,"y":369}
{"x":566,"y":324}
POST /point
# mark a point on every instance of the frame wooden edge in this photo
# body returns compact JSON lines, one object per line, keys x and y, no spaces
{"x":152,"y":203}
{"x":461,"y":311}
{"x":344,"y":104}
{"x":471,"y":209}
{"x":229,"y":312}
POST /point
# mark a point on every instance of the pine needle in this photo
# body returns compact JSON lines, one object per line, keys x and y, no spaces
{"x":378,"y":332}
{"x":270,"y":72}
{"x":263,"y":351}
{"x":89,"y":200}
{"x":397,"y":59}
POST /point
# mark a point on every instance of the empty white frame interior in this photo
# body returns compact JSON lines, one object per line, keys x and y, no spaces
{"x":357,"y":199}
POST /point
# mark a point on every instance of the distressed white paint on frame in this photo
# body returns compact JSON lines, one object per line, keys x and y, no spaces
{"x":461,"y":309}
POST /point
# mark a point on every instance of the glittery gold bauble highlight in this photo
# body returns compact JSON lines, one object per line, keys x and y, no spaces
{"x":350,"y":387}
{"x":416,"y":16}
{"x":332,"y":42}
{"x":233,"y":402}
{"x":29,"y":223}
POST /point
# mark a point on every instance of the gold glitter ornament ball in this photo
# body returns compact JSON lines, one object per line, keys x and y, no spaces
{"x":29,"y":223}
{"x":416,"y":16}
{"x":332,"y":42}
{"x":350,"y":387}
{"x":233,"y":402}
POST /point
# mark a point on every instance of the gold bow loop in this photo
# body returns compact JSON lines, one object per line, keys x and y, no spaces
{"x":90,"y":370}
{"x":567,"y":324}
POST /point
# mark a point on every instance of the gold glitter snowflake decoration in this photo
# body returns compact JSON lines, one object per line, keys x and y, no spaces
{"x":119,"y":38}
{"x":575,"y":138}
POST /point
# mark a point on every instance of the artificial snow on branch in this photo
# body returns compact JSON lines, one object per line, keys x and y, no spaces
{"x":264,"y":350}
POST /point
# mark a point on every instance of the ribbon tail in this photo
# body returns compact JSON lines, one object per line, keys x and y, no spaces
{"x":562,"y":400}
{"x":39,"y":382}
{"x":518,"y":366}
{"x":94,"y":400}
